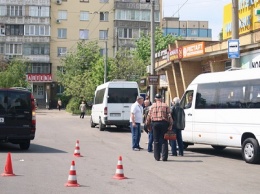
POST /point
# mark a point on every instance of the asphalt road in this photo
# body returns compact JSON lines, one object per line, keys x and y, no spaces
{"x":45,"y":167}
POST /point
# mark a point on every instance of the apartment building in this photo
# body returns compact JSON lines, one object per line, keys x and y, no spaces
{"x":43,"y":31}
{"x":25,"y":32}
{"x":188,"y":30}
{"x":132,"y":19}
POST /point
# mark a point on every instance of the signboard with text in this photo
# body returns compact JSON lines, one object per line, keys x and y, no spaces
{"x":39,"y":77}
{"x":233,"y":49}
{"x":193,"y":50}
{"x":153,"y":80}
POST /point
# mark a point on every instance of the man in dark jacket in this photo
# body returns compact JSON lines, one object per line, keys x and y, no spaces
{"x":178,"y":116}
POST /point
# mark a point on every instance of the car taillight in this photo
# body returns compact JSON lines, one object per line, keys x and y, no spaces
{"x":33,"y":110}
{"x":105,"y":111}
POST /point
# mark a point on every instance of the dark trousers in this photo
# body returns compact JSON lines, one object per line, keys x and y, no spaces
{"x":150,"y":142}
{"x":179,"y":141}
{"x":82,"y":114}
{"x":160,"y":144}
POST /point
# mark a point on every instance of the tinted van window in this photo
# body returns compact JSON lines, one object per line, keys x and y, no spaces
{"x":122,"y":95}
{"x":19,"y":100}
{"x":206,"y":96}
{"x":235,"y":94}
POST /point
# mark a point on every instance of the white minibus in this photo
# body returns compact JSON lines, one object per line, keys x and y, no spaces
{"x":112,"y":104}
{"x":222,"y":109}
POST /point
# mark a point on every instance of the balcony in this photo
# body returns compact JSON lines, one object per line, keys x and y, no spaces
{"x":23,"y":39}
{"x":38,"y":58}
{"x":135,"y":6}
{"x":24,"y":20}
{"x":27,"y":2}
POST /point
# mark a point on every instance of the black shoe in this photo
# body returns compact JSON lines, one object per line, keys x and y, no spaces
{"x":140,"y":148}
{"x":164,"y":160}
{"x":173,"y":154}
{"x":180,"y":154}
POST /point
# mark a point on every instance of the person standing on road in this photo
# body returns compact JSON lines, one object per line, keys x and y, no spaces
{"x":160,"y":118}
{"x":59,"y":104}
{"x":148,"y":128}
{"x":136,"y":119}
{"x":178,"y":116}
{"x":82,"y":109}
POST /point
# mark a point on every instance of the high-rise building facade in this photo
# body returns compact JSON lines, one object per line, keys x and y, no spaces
{"x":188,"y":30}
{"x":43,"y":31}
{"x":25,"y":32}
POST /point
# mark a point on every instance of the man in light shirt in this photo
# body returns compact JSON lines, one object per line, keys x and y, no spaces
{"x":136,"y":118}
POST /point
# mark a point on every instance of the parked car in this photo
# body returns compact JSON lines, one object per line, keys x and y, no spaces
{"x":17,"y":117}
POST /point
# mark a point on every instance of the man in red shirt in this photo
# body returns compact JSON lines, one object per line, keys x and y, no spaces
{"x":160,"y":118}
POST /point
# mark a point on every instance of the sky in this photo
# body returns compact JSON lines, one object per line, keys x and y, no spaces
{"x":202,"y":10}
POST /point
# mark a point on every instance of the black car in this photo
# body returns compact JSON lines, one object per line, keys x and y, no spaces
{"x":17,"y":117}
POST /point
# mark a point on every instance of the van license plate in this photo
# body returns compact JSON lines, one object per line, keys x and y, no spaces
{"x":115,"y":114}
{"x":2,"y":120}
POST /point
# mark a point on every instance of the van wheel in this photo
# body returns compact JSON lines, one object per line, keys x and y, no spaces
{"x":25,"y":145}
{"x":218,"y":147}
{"x":101,"y":126}
{"x":250,"y":151}
{"x":91,"y":123}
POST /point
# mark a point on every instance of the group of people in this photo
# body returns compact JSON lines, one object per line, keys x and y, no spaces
{"x":158,"y":118}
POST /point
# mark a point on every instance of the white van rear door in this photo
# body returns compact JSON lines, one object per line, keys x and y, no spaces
{"x":119,"y":102}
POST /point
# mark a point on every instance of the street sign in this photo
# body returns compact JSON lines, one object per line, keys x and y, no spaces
{"x":153,"y":80}
{"x":233,"y":49}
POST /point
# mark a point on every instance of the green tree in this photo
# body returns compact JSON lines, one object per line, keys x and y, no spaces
{"x":82,"y":71}
{"x":143,"y":45}
{"x":126,"y":66}
{"x":14,"y":74}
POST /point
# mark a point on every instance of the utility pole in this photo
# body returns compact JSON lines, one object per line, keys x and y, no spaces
{"x":152,"y":87}
{"x":105,"y":64}
{"x":235,"y":62}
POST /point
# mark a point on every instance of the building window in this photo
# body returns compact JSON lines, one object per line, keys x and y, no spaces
{"x":39,"y":68}
{"x":103,"y":16}
{"x":36,"y":49}
{"x":128,"y":33}
{"x":145,"y":16}
{"x":84,"y":15}
{"x":16,"y":30}
{"x":62,"y":33}
{"x":183,"y":32}
{"x":62,"y":51}
{"x":3,"y":10}
{"x":83,"y":34}
{"x":2,"y":48}
{"x":13,"y":49}
{"x":194,"y":32}
{"x":85,"y":1}
{"x":14,"y":10}
{"x":39,"y":11}
{"x":104,"y":1}
{"x":62,"y":15}
{"x":103,"y":51}
{"x":60,"y":89}
{"x":103,"y":34}
{"x":37,"y":30}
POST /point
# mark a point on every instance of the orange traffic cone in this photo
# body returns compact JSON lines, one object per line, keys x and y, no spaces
{"x":76,"y":151}
{"x":119,"y":170}
{"x":8,"y":166}
{"x":72,"y":179}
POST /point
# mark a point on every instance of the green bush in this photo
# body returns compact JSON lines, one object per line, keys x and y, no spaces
{"x":73,"y":105}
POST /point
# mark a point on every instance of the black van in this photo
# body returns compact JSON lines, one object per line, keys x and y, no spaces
{"x":17,"y":117}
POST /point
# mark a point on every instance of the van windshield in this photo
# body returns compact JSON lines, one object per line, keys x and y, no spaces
{"x":122,"y":95}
